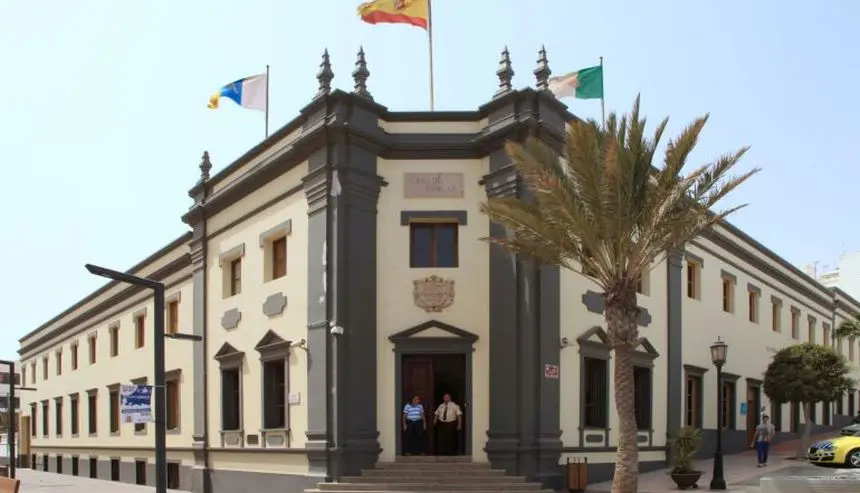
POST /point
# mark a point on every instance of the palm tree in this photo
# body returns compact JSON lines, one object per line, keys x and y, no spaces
{"x":601,"y":209}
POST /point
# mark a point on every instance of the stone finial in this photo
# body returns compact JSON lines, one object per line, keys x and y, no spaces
{"x":542,"y":72}
{"x":325,"y":75}
{"x":505,"y":72}
{"x":205,"y":166}
{"x":361,"y":74}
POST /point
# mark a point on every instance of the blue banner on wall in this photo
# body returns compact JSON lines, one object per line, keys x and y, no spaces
{"x":136,"y":403}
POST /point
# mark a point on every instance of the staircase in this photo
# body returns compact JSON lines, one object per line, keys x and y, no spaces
{"x":431,"y":474}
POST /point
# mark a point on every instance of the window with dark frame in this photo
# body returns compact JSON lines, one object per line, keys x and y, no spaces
{"x":45,"y":368}
{"x":92,"y":346}
{"x":113,"y":409}
{"x":596,"y":393}
{"x":74,"y":416}
{"x":727,"y":412}
{"x":433,"y":245}
{"x":171,"y":391}
{"x":728,"y":295}
{"x":642,"y":396}
{"x":140,"y":472}
{"x":693,"y":397}
{"x":692,"y":280}
{"x":58,"y":417}
{"x":776,"y":317}
{"x":231,"y":401}
{"x":45,"y":427}
{"x":235,"y":276}
{"x":139,"y":331}
{"x":32,"y":372}
{"x":172,"y":476}
{"x":753,"y":306}
{"x":279,"y":257}
{"x":114,"y":341}
{"x":795,"y":324}
{"x":74,"y":351}
{"x":94,"y":467}
{"x":275,"y":394}
{"x":173,"y":317}
{"x":58,"y":357}
{"x":34,"y":420}
{"x":92,"y":413}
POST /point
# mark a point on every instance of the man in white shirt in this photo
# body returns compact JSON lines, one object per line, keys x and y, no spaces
{"x":447,"y":420}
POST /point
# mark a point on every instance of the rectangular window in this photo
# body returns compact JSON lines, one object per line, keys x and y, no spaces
{"x":642,"y":397}
{"x":74,"y":351}
{"x":172,"y":476}
{"x":727,"y":411}
{"x":433,"y":245}
{"x":693,"y":280}
{"x":231,"y":399}
{"x":32,"y":372}
{"x":279,"y":257}
{"x":114,"y":340}
{"x":140,"y":472}
{"x":92,"y":347}
{"x":114,"y":469}
{"x":24,"y":374}
{"x":58,"y":358}
{"x":74,"y":414}
{"x":173,"y":317}
{"x":753,"y":306}
{"x":810,"y":329}
{"x":92,"y":413}
{"x":113,"y":409}
{"x":45,"y":419}
{"x":776,"y":316}
{"x":795,"y":323}
{"x":235,"y":276}
{"x":694,"y":401}
{"x":596,"y":393}
{"x":94,"y":467}
{"x":826,"y":332}
{"x":76,"y":470}
{"x":171,"y":390}
{"x":58,"y":460}
{"x":45,"y":368}
{"x":275,"y":394}
{"x":728,"y":295}
{"x":139,"y":331}
{"x":34,"y":419}
{"x":58,"y":417}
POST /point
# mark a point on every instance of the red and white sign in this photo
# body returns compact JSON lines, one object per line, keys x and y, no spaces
{"x":550,"y":371}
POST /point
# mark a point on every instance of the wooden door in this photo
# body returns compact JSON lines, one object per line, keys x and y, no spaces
{"x":418,"y":380}
{"x":752,"y":413}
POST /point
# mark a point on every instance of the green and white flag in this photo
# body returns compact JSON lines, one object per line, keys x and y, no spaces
{"x":582,"y":84}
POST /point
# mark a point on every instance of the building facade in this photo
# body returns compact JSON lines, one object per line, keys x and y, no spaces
{"x":336,"y":269}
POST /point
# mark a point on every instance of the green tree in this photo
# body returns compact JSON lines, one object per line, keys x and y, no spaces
{"x":599,"y":207}
{"x":807,"y":373}
{"x":848,"y":329}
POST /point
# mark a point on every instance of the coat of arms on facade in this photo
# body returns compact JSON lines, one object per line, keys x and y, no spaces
{"x":433,"y":294}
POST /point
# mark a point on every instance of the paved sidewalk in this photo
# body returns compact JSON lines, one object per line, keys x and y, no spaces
{"x":44,"y":482}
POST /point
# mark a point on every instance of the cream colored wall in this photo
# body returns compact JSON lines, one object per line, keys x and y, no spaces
{"x":128,"y":365}
{"x":396,"y":309}
{"x":433,"y":127}
{"x":751,"y":345}
{"x":576,"y":320}
{"x":291,"y":325}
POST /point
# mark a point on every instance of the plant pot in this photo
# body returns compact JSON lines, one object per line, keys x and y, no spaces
{"x":685,"y":480}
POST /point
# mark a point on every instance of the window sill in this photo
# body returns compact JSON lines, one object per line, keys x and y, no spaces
{"x":174,"y":431}
{"x":114,"y":433}
{"x":75,"y":435}
{"x":92,"y":435}
{"x":140,"y":433}
{"x":275,"y":437}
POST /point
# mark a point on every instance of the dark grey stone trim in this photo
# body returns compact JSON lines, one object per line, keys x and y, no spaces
{"x":460,"y":342}
{"x":594,"y":302}
{"x":728,"y":276}
{"x":198,"y":479}
{"x":692,"y":257}
{"x":407,"y":217}
{"x":755,"y":382}
{"x":231,"y":318}
{"x":752,"y":288}
{"x":675,"y":293}
{"x":776,"y":300}
{"x":231,"y":254}
{"x":695,"y":370}
{"x":274,"y":348}
{"x":730,"y":377}
{"x":283,"y":229}
{"x":274,"y":304}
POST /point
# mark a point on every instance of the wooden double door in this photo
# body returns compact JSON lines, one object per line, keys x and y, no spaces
{"x":431,"y":376}
{"x":753,"y":416}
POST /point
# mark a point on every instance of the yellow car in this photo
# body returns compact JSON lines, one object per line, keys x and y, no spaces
{"x":839,"y":451}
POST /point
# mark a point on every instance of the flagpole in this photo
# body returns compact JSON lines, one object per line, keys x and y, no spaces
{"x":267,"y":101}
{"x":430,"y":43}
{"x":602,"y":94}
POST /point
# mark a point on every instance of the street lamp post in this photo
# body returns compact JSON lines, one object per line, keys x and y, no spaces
{"x":718,"y":357}
{"x":158,"y":361}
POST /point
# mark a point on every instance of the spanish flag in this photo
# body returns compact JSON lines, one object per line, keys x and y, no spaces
{"x":414,"y":12}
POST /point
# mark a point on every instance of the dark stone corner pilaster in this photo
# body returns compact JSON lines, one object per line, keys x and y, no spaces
{"x":524,"y":302}
{"x":674,"y":337}
{"x":342,"y":189}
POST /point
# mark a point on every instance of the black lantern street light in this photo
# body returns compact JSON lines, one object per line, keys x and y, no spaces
{"x":718,"y":357}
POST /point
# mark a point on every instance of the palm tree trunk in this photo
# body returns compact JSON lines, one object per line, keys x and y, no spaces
{"x":623,"y":336}
{"x":803,"y":443}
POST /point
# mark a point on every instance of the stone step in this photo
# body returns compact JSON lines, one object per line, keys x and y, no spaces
{"x":411,"y":470}
{"x":432,"y":486}
{"x":435,"y":479}
{"x":411,"y":490}
{"x":459,"y":466}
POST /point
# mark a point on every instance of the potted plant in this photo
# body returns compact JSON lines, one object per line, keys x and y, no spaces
{"x":684,"y":449}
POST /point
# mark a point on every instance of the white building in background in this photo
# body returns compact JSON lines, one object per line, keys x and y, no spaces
{"x":845,"y":275}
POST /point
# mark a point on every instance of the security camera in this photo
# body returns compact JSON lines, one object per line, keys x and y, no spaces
{"x":335,"y":329}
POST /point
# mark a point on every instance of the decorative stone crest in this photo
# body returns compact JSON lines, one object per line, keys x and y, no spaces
{"x":433,"y":294}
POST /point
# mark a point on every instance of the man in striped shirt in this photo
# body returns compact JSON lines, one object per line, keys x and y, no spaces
{"x":414,"y":424}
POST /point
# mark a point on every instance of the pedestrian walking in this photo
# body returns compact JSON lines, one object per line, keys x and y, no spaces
{"x":763,"y":436}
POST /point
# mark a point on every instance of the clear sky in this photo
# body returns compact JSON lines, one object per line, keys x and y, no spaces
{"x":103,"y":112}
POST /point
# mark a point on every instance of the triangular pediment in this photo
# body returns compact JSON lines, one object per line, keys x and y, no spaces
{"x":595,"y":334}
{"x":270,"y":340}
{"x":646,"y":347}
{"x":227,"y":351}
{"x":433,"y":329}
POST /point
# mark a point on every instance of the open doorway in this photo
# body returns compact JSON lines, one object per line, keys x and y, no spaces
{"x":753,"y":409}
{"x":430,"y":377}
